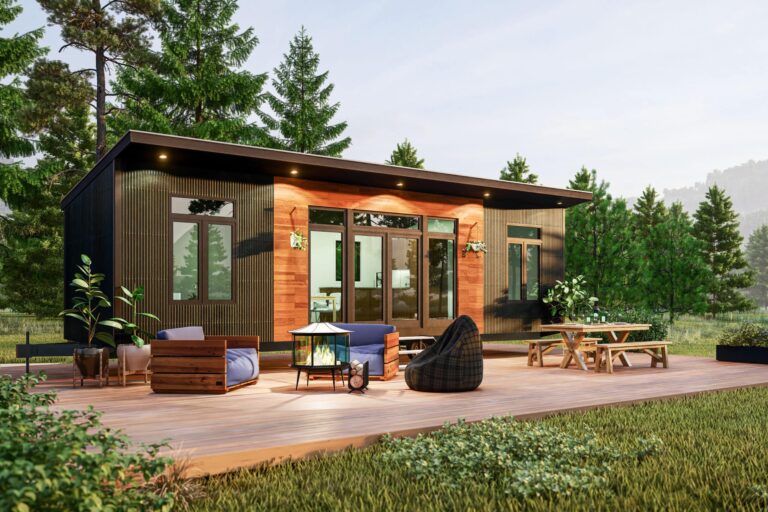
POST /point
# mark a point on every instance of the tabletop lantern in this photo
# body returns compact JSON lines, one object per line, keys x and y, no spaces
{"x":320,"y":348}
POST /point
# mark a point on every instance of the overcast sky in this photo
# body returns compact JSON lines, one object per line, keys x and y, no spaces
{"x":646,"y":92}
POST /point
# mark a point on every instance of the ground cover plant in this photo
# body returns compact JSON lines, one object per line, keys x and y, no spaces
{"x":67,"y":460}
{"x":745,"y":335}
{"x":713,"y":456}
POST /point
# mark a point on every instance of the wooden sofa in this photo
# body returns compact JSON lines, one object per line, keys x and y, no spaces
{"x":196,"y":366}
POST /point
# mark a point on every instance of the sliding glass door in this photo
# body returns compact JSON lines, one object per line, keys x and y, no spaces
{"x":404,"y":258}
{"x":369,"y":278}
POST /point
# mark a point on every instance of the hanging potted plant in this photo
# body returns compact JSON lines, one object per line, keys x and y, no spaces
{"x":134,"y":357}
{"x":568,"y":300}
{"x":87,"y":306}
{"x":476,"y":246}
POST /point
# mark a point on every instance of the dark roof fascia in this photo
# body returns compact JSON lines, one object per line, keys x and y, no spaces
{"x":103,"y":163}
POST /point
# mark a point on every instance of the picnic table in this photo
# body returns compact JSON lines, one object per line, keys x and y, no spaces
{"x":574,"y":334}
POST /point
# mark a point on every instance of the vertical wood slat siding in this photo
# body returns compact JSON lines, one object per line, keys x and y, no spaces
{"x":88,"y":230}
{"x":502,"y":317}
{"x":146,"y":250}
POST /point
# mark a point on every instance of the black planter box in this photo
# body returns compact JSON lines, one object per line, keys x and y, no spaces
{"x":757,"y":355}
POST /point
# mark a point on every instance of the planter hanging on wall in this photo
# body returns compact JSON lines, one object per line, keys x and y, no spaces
{"x":757,"y":355}
{"x":298,"y":240}
{"x":475,"y":246}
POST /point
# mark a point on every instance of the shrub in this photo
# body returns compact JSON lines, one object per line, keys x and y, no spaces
{"x":519,"y":458}
{"x":745,"y":335}
{"x":68,"y":460}
{"x":569,"y":299}
{"x":659,"y":326}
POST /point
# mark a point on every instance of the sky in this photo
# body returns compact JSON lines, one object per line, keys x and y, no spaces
{"x":646,"y":92}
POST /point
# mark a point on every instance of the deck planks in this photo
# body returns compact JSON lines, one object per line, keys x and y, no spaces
{"x":270,"y":420}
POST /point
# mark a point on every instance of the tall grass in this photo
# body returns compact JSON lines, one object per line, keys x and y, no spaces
{"x":42,"y":330}
{"x":714,"y":457}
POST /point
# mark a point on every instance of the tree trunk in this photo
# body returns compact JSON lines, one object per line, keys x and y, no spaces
{"x":101,"y":104}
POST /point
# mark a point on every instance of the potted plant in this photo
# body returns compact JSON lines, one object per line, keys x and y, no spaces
{"x":747,"y":343}
{"x":134,"y":357}
{"x":568,"y":299}
{"x":87,"y":305}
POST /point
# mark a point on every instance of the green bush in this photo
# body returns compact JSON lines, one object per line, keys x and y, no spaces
{"x":659,"y":330}
{"x":68,"y":460}
{"x":521,"y":459}
{"x":745,"y":335}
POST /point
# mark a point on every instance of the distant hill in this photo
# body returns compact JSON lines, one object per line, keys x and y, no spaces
{"x":747,"y":184}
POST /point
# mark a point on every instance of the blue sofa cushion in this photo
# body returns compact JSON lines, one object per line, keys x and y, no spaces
{"x":367,"y":334}
{"x":242,"y":365}
{"x":374,"y":354}
{"x":182,"y":333}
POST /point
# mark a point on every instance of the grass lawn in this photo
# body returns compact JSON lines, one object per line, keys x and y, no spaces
{"x":714,"y":456}
{"x":42,"y":330}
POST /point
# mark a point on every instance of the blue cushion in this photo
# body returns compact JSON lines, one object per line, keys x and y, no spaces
{"x":182,"y":333}
{"x":369,"y":353}
{"x":242,"y":365}
{"x":367,"y":334}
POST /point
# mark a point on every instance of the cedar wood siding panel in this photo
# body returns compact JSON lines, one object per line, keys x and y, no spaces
{"x":88,"y":223}
{"x":294,"y":196}
{"x":145,"y":228}
{"x":501,"y":316}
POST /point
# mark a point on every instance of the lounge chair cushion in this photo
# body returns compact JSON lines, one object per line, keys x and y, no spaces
{"x":374,"y":354}
{"x":242,"y":365}
{"x":367,"y":334}
{"x":453,"y":363}
{"x":182,"y":333}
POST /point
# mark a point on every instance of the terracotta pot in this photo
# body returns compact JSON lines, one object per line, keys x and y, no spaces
{"x":87,"y":361}
{"x":136,"y":358}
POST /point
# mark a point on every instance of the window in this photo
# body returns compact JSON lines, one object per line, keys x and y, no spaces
{"x":523,"y":263}
{"x":369,"y":289}
{"x":325,"y":216}
{"x":379,"y":220}
{"x":442,"y":257}
{"x":325,"y":288}
{"x":441,"y":226}
{"x":202,"y":243}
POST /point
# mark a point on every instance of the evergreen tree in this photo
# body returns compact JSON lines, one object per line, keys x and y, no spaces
{"x":717,"y":226}
{"x":301,"y":104}
{"x":405,"y":155}
{"x":676,"y":276}
{"x":598,"y":241}
{"x":195,"y":87}
{"x":113,"y":31}
{"x":31,"y":236}
{"x":649,"y":211}
{"x":17,"y":53}
{"x":757,"y":256}
{"x":518,"y":170}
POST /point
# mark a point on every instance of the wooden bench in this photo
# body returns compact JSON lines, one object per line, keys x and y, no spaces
{"x":538,"y":347}
{"x":607,"y":352}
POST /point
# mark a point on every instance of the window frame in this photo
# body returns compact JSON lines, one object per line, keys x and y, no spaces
{"x":202,"y":221}
{"x":524,"y":243}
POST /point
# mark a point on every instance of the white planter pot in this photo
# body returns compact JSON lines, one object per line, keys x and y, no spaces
{"x":133,"y":358}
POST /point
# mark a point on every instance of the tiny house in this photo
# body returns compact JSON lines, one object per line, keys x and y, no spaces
{"x":252,"y":241}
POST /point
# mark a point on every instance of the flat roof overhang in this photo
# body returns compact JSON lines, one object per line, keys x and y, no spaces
{"x":142,"y":150}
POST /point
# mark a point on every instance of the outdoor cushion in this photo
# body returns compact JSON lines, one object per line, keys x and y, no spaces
{"x":367,"y":334}
{"x":182,"y":333}
{"x":453,"y":363}
{"x":242,"y":365}
{"x":374,"y":354}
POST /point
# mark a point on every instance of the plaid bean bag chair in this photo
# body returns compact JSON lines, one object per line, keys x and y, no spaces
{"x":453,"y":363}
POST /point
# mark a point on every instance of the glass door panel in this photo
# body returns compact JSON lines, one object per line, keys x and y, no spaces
{"x":532,"y":272}
{"x":441,"y":257}
{"x":405,"y":278}
{"x":369,"y":278}
{"x":326,"y":276}
{"x":514,"y":271}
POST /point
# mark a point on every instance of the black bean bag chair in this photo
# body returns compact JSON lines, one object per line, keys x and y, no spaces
{"x":453,"y":363}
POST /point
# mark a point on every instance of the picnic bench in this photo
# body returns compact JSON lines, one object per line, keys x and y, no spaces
{"x":537,"y":348}
{"x":607,"y":352}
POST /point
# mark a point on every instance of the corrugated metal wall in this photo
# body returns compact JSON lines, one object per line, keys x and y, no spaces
{"x":501,"y":316}
{"x":145,"y":255}
{"x":88,"y":230}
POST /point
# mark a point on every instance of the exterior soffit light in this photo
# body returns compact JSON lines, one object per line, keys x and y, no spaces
{"x":294,"y":172}
{"x":486,"y":194}
{"x":162,"y":156}
{"x":400,"y":183}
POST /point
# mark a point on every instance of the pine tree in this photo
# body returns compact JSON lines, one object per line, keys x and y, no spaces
{"x":195,"y":87}
{"x":113,"y":31}
{"x":757,"y":256}
{"x":649,"y":211}
{"x":676,"y":276}
{"x":405,"y":155}
{"x":518,"y":170}
{"x":31,"y":236}
{"x":598,"y":241}
{"x":717,"y":225}
{"x":17,"y":53}
{"x":301,"y":104}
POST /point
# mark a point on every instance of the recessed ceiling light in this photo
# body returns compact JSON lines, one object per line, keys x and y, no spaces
{"x":559,"y":203}
{"x":294,"y":172}
{"x":162,"y":156}
{"x":487,"y":194}
{"x":400,"y":183}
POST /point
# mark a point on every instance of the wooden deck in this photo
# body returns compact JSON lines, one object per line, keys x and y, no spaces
{"x":271,"y":420}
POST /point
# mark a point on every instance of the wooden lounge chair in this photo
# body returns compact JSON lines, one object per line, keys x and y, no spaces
{"x":190,"y":362}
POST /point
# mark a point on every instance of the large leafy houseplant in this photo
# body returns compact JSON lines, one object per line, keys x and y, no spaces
{"x":568,"y":299}
{"x":131,"y":326}
{"x":89,"y":302}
